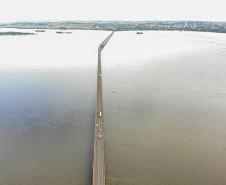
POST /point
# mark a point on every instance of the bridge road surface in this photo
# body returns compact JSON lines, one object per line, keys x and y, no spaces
{"x":98,"y":157}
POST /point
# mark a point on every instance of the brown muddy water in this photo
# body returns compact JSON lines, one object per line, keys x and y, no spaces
{"x":164,"y":108}
{"x":164,"y":111}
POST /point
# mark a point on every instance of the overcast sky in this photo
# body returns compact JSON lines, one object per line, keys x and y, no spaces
{"x":54,"y":10}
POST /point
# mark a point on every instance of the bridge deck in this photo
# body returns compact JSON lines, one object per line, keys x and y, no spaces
{"x":98,"y":157}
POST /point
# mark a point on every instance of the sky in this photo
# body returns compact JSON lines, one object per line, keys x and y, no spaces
{"x":58,"y":10}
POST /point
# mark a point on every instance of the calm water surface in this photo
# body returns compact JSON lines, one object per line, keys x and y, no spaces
{"x":164,"y":108}
{"x":47,"y":108}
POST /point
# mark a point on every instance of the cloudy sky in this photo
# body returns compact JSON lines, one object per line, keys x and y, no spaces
{"x":52,"y":10}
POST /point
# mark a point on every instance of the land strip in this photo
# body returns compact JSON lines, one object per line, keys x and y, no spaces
{"x":201,"y":26}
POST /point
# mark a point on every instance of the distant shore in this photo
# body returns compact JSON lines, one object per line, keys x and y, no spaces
{"x":15,"y":33}
{"x":201,"y":26}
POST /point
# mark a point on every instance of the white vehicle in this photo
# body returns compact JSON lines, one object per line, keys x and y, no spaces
{"x":97,"y":124}
{"x":99,"y":137}
{"x":100,"y":129}
{"x":100,"y":75}
{"x":99,"y":114}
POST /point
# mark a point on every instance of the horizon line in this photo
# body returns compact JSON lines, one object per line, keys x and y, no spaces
{"x":182,"y":20}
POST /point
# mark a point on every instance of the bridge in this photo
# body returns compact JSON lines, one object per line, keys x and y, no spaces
{"x":98,"y":156}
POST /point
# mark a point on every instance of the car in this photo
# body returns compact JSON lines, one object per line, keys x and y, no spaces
{"x":97,"y":124}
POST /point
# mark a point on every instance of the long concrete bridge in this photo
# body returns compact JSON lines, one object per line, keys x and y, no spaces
{"x":98,"y":156}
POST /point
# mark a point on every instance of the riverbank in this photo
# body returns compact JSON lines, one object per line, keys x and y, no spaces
{"x":200,"y":26}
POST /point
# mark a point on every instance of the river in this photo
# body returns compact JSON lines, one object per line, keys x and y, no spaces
{"x":164,"y":99}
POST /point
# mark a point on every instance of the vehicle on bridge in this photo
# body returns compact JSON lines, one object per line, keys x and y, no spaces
{"x":100,"y":75}
{"x":99,"y":114}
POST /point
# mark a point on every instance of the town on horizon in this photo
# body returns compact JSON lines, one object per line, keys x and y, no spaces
{"x":201,"y":26}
